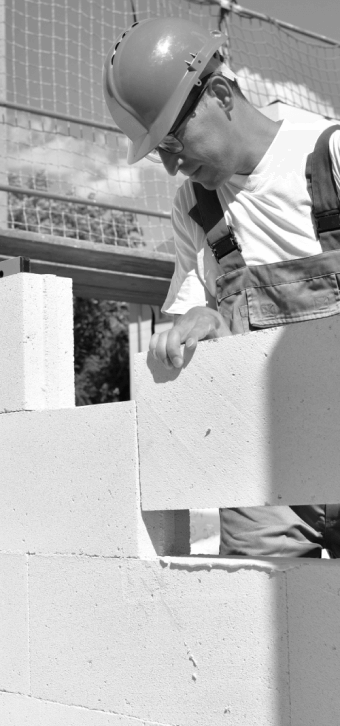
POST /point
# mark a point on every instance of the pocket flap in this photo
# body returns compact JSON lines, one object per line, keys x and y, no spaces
{"x":292,"y":302}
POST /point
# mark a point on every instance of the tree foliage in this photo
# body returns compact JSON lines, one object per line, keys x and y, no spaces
{"x":101,"y":339}
{"x":101,"y":351}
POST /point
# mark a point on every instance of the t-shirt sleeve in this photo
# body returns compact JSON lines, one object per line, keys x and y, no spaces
{"x":334,"y":150}
{"x":186,"y":289}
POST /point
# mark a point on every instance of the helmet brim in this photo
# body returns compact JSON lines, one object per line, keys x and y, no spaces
{"x":142,"y":146}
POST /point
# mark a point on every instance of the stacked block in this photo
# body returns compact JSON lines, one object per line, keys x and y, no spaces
{"x":14,"y":658}
{"x":104,"y":618}
{"x":250,"y":420}
{"x":36,"y":343}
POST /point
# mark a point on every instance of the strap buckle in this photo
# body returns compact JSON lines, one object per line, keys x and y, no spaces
{"x":225,"y":245}
{"x":327,"y":221}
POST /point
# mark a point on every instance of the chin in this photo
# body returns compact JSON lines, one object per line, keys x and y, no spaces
{"x":214,"y":182}
{"x":211,"y":184}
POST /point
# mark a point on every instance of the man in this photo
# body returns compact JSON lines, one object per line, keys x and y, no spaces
{"x":259,"y":252}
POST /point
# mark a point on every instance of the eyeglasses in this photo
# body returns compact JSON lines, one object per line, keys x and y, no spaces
{"x":171,"y":144}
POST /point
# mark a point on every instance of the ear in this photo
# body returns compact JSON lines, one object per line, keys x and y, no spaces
{"x":219,"y":86}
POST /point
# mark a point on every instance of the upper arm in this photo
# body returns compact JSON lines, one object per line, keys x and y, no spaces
{"x":187,"y":288}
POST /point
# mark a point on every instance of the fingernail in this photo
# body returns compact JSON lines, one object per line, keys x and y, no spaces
{"x":177,"y":362}
{"x":190,"y":342}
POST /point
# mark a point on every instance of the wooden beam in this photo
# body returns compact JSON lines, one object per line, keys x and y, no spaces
{"x":98,"y":270}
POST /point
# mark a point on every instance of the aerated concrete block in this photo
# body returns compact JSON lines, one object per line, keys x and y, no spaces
{"x":36,"y":342}
{"x":186,"y":641}
{"x":70,"y":481}
{"x":14,"y":657}
{"x":313,"y":593}
{"x":17,"y":710}
{"x":250,"y":420}
{"x":70,"y":484}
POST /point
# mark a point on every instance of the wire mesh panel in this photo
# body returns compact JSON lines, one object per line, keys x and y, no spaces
{"x":59,"y":141}
{"x":56,"y":48}
{"x":274,"y":62}
{"x":86,"y":164}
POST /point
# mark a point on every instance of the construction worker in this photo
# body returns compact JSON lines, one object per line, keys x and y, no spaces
{"x":256,"y":224}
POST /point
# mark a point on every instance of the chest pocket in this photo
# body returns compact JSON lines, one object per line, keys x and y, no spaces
{"x":285,"y":292}
{"x":292,"y":302}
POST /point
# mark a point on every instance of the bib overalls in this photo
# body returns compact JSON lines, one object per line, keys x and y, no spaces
{"x":262,"y":296}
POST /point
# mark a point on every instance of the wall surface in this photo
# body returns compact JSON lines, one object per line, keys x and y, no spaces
{"x":250,"y":420}
{"x":104,"y":619}
{"x":36,"y":343}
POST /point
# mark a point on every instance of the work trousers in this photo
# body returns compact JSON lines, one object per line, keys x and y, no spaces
{"x":301,"y":531}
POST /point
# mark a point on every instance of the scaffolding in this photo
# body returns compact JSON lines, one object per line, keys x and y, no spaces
{"x":64,"y":173}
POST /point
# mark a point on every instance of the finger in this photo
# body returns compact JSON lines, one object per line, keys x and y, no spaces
{"x":191,"y":342}
{"x":153,"y":344}
{"x":158,"y":348}
{"x":173,"y":347}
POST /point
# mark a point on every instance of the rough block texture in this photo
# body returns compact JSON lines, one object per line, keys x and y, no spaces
{"x":70,"y":482}
{"x":182,"y":642}
{"x":17,"y":710}
{"x":314,"y":643}
{"x":250,"y":420}
{"x":14,"y":655}
{"x":36,"y":342}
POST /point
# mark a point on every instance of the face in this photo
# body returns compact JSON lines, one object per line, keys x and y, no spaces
{"x":209,"y":155}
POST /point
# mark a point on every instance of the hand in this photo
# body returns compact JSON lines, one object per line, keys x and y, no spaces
{"x":199,"y":323}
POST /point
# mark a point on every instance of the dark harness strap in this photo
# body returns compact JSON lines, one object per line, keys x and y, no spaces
{"x":326,"y":206}
{"x":208,"y":213}
{"x":221,"y":238}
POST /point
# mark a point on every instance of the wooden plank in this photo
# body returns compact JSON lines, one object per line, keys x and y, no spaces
{"x":107,"y":284}
{"x":73,"y":251}
{"x":98,"y":270}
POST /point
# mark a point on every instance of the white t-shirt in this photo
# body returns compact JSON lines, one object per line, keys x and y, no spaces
{"x":269,"y":210}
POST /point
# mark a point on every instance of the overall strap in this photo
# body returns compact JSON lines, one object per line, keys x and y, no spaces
{"x":326,"y":205}
{"x":208,"y":214}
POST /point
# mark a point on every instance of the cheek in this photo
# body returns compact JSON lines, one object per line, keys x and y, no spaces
{"x":205,"y":146}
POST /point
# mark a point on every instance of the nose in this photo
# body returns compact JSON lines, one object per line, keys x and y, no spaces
{"x":171,"y":162}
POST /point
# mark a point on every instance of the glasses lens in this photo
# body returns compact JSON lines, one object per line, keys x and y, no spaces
{"x":154,"y":156}
{"x":171,"y":144}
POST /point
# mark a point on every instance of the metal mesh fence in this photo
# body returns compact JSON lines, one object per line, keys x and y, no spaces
{"x":59,"y":135}
{"x":274,"y":62}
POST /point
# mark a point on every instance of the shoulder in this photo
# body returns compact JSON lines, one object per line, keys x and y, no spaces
{"x":303,"y":135}
{"x":182,"y":223}
{"x":298,"y":139}
{"x":184,"y":199}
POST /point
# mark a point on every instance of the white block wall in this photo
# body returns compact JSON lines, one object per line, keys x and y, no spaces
{"x":250,"y":420}
{"x":18,"y":710}
{"x":159,"y":642}
{"x":97,"y":628}
{"x":14,"y":659}
{"x":36,"y":342}
{"x":70,"y":481}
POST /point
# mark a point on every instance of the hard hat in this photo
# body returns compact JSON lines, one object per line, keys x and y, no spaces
{"x":150,"y":71}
